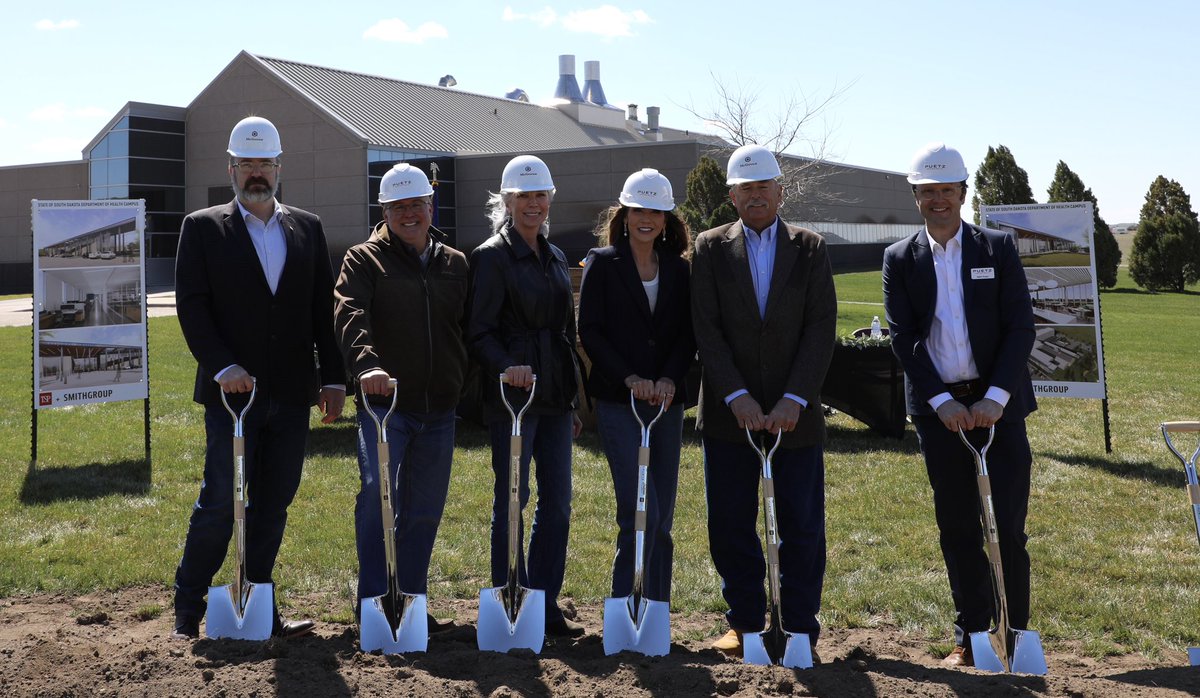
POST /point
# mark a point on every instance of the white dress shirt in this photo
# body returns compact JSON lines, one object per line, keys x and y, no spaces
{"x":267,"y":237}
{"x":948,"y":343}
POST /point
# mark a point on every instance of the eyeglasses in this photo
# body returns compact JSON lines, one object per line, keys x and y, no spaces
{"x":952,"y":191}
{"x":248,"y":166}
{"x":415,"y":207}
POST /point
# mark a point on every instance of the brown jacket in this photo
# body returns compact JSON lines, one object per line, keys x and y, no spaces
{"x":788,"y":351}
{"x":391,"y":314}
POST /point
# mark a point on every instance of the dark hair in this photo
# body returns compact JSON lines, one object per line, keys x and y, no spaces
{"x":610,"y":227}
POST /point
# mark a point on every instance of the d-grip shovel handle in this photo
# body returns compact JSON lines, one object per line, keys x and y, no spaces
{"x":991,"y":542}
{"x":639,"y":517}
{"x":239,"y":490}
{"x":774,"y":639}
{"x":385,"y":486}
{"x":514,"y":493}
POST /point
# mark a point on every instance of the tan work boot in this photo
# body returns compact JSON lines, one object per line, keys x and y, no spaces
{"x":730,"y":644}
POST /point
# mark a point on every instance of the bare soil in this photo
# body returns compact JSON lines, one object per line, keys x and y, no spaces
{"x":99,"y":644}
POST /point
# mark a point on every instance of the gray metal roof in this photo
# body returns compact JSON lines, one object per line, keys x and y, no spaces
{"x":399,"y":114}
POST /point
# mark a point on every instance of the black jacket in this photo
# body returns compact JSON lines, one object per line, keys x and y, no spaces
{"x":522,"y":312}
{"x":620,"y":334}
{"x":229,"y":315}
{"x":394,"y":315}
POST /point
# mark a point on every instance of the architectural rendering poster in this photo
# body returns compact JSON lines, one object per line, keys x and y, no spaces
{"x":89,"y":282}
{"x":1055,"y":245}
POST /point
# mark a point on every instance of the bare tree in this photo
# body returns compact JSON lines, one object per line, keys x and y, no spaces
{"x":788,"y":127}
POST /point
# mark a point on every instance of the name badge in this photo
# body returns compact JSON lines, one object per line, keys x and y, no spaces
{"x":983,"y":273}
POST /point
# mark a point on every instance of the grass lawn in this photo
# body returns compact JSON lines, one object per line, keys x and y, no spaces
{"x":1116,"y":562}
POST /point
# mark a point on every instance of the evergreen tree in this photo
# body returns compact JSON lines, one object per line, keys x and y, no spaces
{"x":1000,"y":181}
{"x":1166,"y":248}
{"x":707,"y":205}
{"x":1067,"y":186}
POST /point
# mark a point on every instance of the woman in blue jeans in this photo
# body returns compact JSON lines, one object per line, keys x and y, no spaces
{"x":635,"y":325}
{"x":521,"y":323}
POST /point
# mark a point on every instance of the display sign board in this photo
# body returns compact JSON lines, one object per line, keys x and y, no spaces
{"x":1057,"y":249}
{"x":89,"y":301}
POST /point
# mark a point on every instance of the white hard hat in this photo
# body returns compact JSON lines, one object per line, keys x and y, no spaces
{"x":403,"y":182}
{"x":937,"y":163}
{"x":751,"y":163}
{"x":254,"y":137}
{"x":648,"y":188}
{"x":526,"y":173}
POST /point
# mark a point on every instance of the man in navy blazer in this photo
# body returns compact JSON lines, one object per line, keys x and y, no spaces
{"x":254,"y":296}
{"x":764,"y":312}
{"x":961,"y":323}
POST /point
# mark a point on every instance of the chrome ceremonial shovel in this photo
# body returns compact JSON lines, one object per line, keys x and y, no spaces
{"x":1193,"y":488}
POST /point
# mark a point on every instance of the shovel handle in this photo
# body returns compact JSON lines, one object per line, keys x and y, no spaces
{"x":980,"y":454}
{"x":239,"y":417}
{"x":1179,"y":427}
{"x":517,"y":416}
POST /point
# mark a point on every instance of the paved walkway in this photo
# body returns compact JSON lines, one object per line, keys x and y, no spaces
{"x":18,"y":312}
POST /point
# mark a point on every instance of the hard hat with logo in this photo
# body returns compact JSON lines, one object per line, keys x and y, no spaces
{"x":254,"y":137}
{"x":526,"y":173}
{"x":937,"y":163}
{"x":403,"y":182}
{"x":751,"y":163}
{"x":647,"y":188}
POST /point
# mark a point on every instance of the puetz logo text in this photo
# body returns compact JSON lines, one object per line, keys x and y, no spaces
{"x":646,"y":192}
{"x":935,"y":165}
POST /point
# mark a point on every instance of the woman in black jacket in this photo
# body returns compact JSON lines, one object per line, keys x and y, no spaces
{"x":636,"y":327}
{"x":521,"y":324}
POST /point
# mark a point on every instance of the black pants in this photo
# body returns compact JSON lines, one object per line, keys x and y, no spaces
{"x":951,"y":469}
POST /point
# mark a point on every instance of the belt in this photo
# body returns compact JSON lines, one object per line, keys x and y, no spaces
{"x":965,"y":388}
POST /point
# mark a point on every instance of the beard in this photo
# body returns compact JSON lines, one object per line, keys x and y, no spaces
{"x":256,"y":190}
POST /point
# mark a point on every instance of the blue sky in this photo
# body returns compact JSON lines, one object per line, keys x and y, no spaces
{"x":1110,"y":88}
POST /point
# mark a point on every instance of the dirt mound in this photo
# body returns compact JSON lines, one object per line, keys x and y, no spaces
{"x":112,"y":644}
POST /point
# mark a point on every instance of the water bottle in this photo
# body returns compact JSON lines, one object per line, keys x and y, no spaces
{"x":876,"y":333}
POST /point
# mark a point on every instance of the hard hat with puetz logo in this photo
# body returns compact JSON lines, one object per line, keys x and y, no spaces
{"x":751,"y":163}
{"x":526,"y":173}
{"x":403,"y":182}
{"x":937,"y":163}
{"x":647,"y":188}
{"x":254,"y":137}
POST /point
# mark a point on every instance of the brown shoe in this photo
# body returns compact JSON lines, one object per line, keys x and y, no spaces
{"x":959,"y":657}
{"x":730,"y":644}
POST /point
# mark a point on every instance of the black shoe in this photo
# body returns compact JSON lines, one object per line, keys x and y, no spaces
{"x":436,"y":626}
{"x":564,"y":628}
{"x":288,"y":629}
{"x":187,"y":627}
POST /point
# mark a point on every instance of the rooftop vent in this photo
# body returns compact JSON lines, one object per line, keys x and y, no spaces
{"x":568,"y":87}
{"x":592,"y":91}
{"x":517,"y":94}
{"x":447,"y":81}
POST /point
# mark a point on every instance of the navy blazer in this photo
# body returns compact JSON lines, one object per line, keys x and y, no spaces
{"x":998,"y":307}
{"x":620,"y":334}
{"x":229,"y":315}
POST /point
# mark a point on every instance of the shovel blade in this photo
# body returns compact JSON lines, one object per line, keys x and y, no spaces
{"x":377,"y":633}
{"x":1194,"y":656}
{"x":1027,"y":655}
{"x":650,"y":635}
{"x":254,"y":622}
{"x":797,"y":654}
{"x":495,"y":633}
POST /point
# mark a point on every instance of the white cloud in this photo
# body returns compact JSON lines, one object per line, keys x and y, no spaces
{"x":543,"y":17}
{"x":397,"y":30}
{"x":50,"y":25}
{"x":607,"y":21}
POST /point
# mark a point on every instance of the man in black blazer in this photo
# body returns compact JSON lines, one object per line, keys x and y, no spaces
{"x":961,"y":324}
{"x":765,"y":316}
{"x":254,"y":295}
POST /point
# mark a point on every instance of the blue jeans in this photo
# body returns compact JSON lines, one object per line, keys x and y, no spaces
{"x":546,"y":438}
{"x":276,"y":435}
{"x":421,"y":447}
{"x":731,"y":472}
{"x":621,"y":437}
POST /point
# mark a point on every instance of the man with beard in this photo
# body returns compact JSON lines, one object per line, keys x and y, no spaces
{"x":254,"y":294}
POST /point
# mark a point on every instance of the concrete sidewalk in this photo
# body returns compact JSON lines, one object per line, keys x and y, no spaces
{"x":18,"y":312}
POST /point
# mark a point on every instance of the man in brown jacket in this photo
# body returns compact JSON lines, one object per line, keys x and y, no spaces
{"x":764,"y":313}
{"x":399,"y":310}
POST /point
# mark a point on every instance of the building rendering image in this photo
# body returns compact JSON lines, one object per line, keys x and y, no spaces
{"x":342,"y":130}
